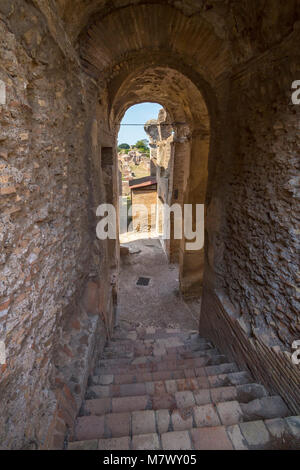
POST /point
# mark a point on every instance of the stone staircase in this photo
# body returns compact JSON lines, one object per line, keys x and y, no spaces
{"x":172,"y":390}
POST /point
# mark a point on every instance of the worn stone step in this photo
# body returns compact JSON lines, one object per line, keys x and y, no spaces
{"x":265,"y":408}
{"x":145,"y":421}
{"x":199,"y":386}
{"x":146,"y":365}
{"x":159,"y":398}
{"x":165,"y":363}
{"x":128,"y":359}
{"x":130,"y":349}
{"x":215,"y":439}
{"x":184,"y":415}
{"x":155,"y":334}
{"x":179,"y":393}
{"x":268,"y":434}
{"x":209,"y":381}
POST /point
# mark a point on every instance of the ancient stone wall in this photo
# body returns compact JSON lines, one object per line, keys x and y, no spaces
{"x":60,"y":106}
{"x":49,"y":164}
{"x":252,"y":228}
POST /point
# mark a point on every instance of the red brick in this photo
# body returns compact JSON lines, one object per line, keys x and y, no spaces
{"x":187,"y":384}
{"x":145,"y":442}
{"x":127,"y":390}
{"x":143,"y":422}
{"x":124,"y":379}
{"x":89,"y":427}
{"x":123,"y":404}
{"x":98,"y":407}
{"x":120,"y":443}
{"x":118,"y":424}
{"x":189,"y":373}
{"x":162,"y":375}
{"x":211,"y":439}
{"x":165,"y":402}
{"x":179,"y":440}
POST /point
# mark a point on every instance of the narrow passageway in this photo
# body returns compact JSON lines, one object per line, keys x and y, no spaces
{"x":220,"y":149}
{"x":160,"y":303}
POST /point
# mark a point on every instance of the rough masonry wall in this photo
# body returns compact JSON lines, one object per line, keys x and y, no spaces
{"x":253,"y":312}
{"x":47,"y":232}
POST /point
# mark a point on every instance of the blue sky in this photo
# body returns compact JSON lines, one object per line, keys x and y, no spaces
{"x":137,"y":114}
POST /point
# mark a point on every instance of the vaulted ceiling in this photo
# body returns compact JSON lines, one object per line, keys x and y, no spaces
{"x":171,"y":50}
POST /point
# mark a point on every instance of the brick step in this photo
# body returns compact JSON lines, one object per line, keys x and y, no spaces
{"x":157,"y":348}
{"x":134,"y":353}
{"x":159,"y":364}
{"x":154,"y":395}
{"x":185,"y":338}
{"x":140,"y":334}
{"x":218,"y":380}
{"x":157,"y":356}
{"x":168,"y":370}
{"x":165,"y":362}
{"x":162,"y":420}
{"x":249,"y":435}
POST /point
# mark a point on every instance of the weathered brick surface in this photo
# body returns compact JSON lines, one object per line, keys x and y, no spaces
{"x":89,"y":427}
{"x":146,"y":442}
{"x":236,"y":140}
{"x":214,"y":438}
{"x":206,"y":415}
{"x":143,"y":422}
{"x":179,"y":440}
{"x":118,"y":424}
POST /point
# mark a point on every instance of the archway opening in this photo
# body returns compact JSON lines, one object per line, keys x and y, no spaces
{"x":137,"y":172}
{"x":182,"y":139}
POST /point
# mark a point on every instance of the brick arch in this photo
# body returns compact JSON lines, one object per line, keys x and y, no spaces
{"x":190,"y":149}
{"x":142,"y":28}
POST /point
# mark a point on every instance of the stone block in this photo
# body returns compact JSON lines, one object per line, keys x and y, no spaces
{"x":106,"y":380}
{"x":276,"y":427}
{"x":143,"y":422}
{"x":293,"y":424}
{"x":98,"y":407}
{"x":255,"y":433}
{"x":182,"y":419}
{"x":238,"y":440}
{"x":179,"y":440}
{"x":222,"y":394}
{"x":265,"y":408}
{"x":214,"y":438}
{"x":145,"y":442}
{"x":206,"y":415}
{"x":184,"y":399}
{"x":89,"y":427}
{"x":120,"y":443}
{"x":162,"y":421}
{"x":124,"y":404}
{"x":83,"y":445}
{"x":202,"y":397}
{"x":230,"y":412}
{"x":118,"y":424}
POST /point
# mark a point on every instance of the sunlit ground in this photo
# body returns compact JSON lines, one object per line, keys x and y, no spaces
{"x":132,"y":236}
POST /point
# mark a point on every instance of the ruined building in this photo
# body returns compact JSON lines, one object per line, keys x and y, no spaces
{"x":69,"y":70}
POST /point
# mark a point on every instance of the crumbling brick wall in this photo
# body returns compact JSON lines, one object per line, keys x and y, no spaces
{"x":49,"y":188}
{"x":250,"y":307}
